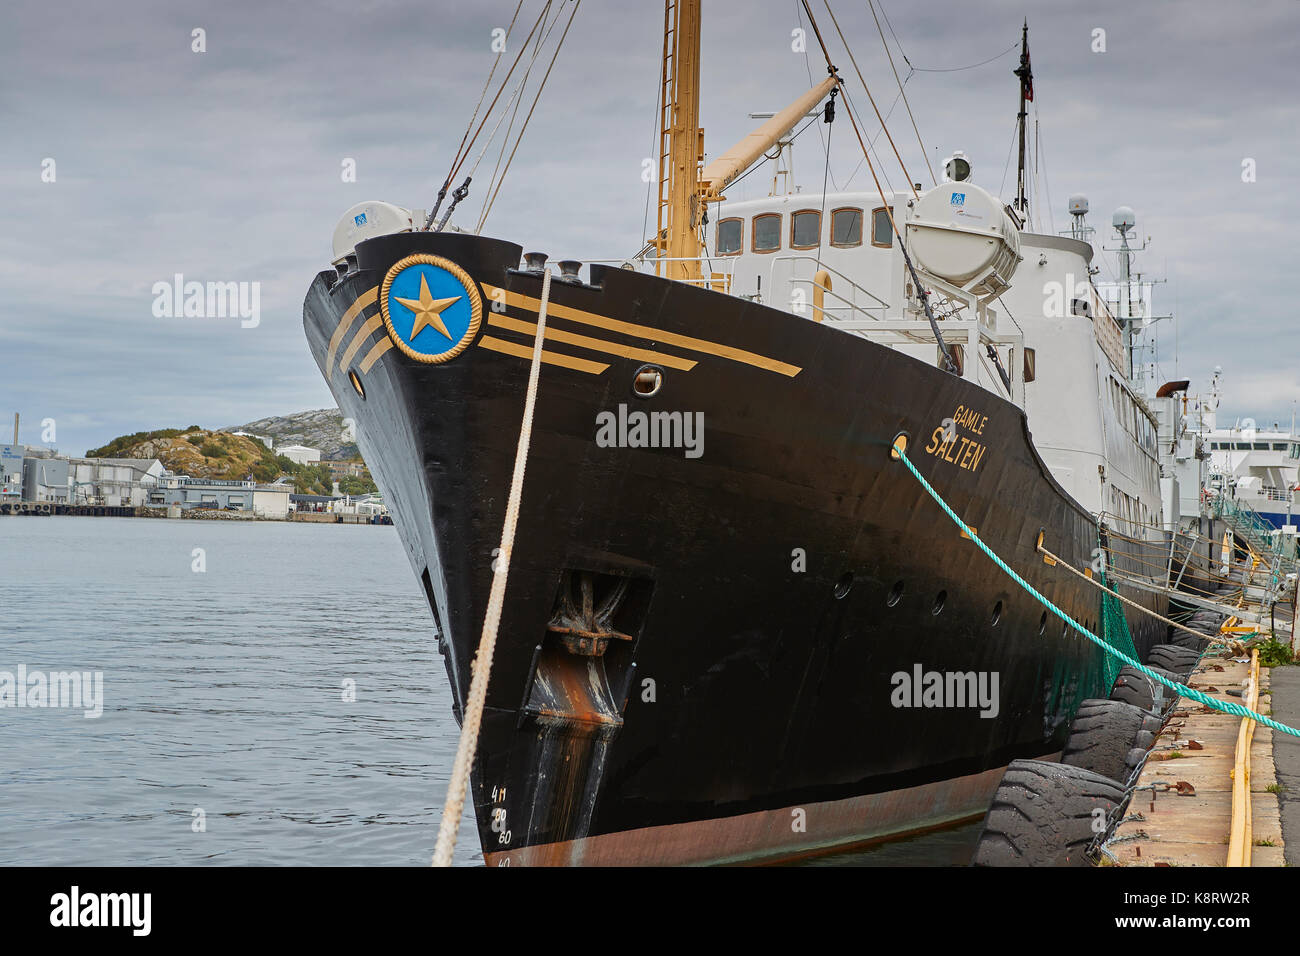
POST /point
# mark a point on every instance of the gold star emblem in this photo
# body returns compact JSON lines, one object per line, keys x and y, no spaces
{"x":427,"y":310}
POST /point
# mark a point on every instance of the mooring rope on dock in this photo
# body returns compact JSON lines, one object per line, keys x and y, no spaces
{"x":1241,"y":833}
{"x":1056,"y":559}
{"x":1227,"y":707}
{"x":481,"y":667}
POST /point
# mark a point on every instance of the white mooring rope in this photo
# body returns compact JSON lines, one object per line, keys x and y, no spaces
{"x":481,"y":667}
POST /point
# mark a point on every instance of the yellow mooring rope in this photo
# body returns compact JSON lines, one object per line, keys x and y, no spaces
{"x":1055,"y":560}
{"x":481,"y":668}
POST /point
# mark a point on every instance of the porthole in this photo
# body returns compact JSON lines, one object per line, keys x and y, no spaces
{"x":355,"y":379}
{"x":844,"y":585}
{"x":647,"y":382}
{"x":997,"y":614}
{"x":895,"y":594}
{"x":939,"y":600}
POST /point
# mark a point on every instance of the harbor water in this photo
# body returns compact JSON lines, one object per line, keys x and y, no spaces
{"x":272,"y":694}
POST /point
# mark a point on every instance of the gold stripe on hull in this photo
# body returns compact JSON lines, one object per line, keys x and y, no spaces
{"x":596,"y":345}
{"x":364,"y":300}
{"x":363,"y":333}
{"x":548,"y":358}
{"x":382,"y":346}
{"x":520,"y":301}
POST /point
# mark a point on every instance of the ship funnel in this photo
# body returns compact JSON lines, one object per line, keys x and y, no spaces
{"x":535,"y":262}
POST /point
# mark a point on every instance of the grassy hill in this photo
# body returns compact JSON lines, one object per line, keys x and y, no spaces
{"x":201,"y":453}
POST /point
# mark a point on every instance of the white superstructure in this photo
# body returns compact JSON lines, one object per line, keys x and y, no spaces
{"x":1028,"y":296}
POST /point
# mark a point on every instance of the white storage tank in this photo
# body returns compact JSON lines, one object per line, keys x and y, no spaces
{"x":957,"y":231}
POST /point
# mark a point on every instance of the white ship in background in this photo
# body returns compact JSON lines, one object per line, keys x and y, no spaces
{"x":1257,"y":467}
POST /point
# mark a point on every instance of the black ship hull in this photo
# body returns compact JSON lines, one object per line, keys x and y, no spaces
{"x":709,"y":658}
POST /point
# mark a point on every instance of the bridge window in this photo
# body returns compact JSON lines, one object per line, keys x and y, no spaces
{"x":1261,"y":446}
{"x":846,"y":227}
{"x":767,"y":232}
{"x":882,"y":232}
{"x":730,"y":236}
{"x":805,"y":229}
{"x":1279,"y":446}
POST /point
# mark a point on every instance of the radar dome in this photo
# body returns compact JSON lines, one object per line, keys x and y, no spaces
{"x":1123,"y":219}
{"x":1078,"y":204}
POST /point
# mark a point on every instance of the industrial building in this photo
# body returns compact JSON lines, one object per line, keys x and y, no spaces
{"x":299,"y":454}
{"x":262,"y":500}
{"x":43,"y":478}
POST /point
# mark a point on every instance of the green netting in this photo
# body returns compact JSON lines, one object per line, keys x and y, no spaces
{"x":1191,"y":693}
{"x":1114,"y":631}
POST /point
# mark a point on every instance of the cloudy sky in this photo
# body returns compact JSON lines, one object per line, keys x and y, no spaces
{"x":226,"y":165}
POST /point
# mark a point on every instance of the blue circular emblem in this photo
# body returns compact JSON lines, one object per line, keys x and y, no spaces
{"x":431,"y":307}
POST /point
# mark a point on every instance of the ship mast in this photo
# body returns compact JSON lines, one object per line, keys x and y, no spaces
{"x":1026,"y":94}
{"x":685,"y":190}
{"x":681,"y":142}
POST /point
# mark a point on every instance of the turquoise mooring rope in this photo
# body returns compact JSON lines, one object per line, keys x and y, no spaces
{"x":1227,"y":707}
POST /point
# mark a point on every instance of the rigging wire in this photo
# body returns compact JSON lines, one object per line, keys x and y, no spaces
{"x":1007,"y":168}
{"x":872,"y":142}
{"x":558,"y":46}
{"x":808,"y":68}
{"x":517,"y":98}
{"x":541,"y":19}
{"x":897,"y":43}
{"x":890,"y":56}
{"x":958,"y":69}
{"x":862,"y":80}
{"x":849,"y":104}
{"x":655,"y":146}
{"x":922,"y":69}
{"x":1047,"y":179}
{"x":492,"y":72}
{"x":461,"y":154}
{"x":949,"y":364}
{"x":830,"y":131}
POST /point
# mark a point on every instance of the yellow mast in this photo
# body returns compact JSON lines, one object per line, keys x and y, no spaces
{"x":681,"y":141}
{"x":684,"y":190}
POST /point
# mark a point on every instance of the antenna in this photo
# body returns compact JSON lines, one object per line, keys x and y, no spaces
{"x":1026,"y":95}
{"x":1079,"y":228}
{"x":1133,"y":313}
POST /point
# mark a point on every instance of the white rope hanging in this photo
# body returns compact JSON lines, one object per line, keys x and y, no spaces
{"x":481,"y":667}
